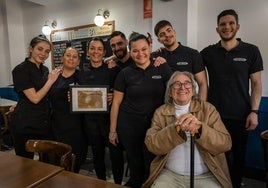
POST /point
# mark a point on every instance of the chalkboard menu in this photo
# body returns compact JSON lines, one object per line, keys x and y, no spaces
{"x":79,"y":37}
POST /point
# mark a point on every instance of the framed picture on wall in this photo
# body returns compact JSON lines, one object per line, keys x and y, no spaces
{"x":85,"y":98}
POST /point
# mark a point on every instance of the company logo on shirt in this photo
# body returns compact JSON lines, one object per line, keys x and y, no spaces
{"x":157,"y":77}
{"x":182,"y":63}
{"x":241,"y":59}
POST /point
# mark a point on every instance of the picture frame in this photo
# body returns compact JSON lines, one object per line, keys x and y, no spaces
{"x":88,"y":98}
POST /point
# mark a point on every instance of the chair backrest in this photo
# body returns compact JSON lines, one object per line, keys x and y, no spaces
{"x":53,"y":152}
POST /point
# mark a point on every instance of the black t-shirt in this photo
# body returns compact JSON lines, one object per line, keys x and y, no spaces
{"x":59,"y":92}
{"x":229,"y":73}
{"x":182,"y":58}
{"x":62,"y":121}
{"x":143,"y":89}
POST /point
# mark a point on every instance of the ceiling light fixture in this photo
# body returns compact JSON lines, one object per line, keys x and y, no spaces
{"x":46,"y":29}
{"x":99,"y":18}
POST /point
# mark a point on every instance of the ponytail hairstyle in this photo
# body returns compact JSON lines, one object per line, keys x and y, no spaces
{"x":138,"y":37}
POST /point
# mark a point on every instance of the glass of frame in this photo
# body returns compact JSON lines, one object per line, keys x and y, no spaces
{"x":85,"y":98}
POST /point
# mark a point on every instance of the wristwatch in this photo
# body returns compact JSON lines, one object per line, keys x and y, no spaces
{"x":255,"y":111}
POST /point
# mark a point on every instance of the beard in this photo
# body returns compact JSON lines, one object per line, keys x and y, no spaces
{"x":120,"y":53}
{"x":226,"y":39}
{"x":169,"y":43}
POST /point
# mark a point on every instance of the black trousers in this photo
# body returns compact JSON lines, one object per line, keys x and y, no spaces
{"x":98,"y":144}
{"x":131,"y":129}
{"x":236,"y":157}
{"x":117,"y":162}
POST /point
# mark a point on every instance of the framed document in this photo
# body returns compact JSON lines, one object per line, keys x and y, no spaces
{"x":85,"y":98}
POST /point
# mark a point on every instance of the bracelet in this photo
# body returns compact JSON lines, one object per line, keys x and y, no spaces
{"x":255,"y":111}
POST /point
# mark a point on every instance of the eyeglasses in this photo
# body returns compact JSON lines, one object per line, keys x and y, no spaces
{"x":178,"y":85}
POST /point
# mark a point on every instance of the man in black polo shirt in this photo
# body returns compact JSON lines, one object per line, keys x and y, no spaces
{"x":230,"y":64}
{"x":122,"y":59}
{"x":179,"y":57}
{"x":119,"y":43}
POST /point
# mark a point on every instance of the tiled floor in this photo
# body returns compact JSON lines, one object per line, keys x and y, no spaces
{"x":87,"y":169}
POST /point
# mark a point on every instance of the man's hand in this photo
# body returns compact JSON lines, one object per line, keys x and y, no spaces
{"x":251,"y":121}
{"x":158,"y":61}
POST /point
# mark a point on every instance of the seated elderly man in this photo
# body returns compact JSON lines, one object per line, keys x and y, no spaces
{"x":173,"y":123}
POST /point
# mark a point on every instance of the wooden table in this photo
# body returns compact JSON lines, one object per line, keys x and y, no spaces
{"x":66,"y":179}
{"x":19,"y":172}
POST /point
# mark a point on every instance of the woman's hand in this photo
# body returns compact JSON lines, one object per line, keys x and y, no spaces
{"x":53,"y":75}
{"x":12,"y":108}
{"x":113,"y":138}
{"x":188,"y":123}
{"x":110,"y":97}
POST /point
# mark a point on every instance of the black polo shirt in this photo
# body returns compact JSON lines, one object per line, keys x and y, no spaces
{"x":229,"y":73}
{"x":183,"y":58}
{"x":99,"y":76}
{"x":98,"y":123}
{"x":30,"y":118}
{"x":27,"y":75}
{"x":122,"y":65}
{"x":143,"y":89}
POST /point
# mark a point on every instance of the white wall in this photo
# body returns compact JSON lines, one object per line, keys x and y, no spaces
{"x":194,"y":21}
{"x":127,"y":15}
{"x":174,"y":11}
{"x":252,"y":18}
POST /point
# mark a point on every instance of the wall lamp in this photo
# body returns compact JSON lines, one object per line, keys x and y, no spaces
{"x":99,"y":18}
{"x":47,"y":28}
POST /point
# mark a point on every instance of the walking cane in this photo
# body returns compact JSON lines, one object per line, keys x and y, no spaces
{"x":192,"y":162}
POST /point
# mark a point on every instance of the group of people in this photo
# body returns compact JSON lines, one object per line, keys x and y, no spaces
{"x":157,"y":101}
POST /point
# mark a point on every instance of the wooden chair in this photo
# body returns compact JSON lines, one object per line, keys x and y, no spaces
{"x":3,"y":129}
{"x":53,"y":152}
{"x":264,"y":138}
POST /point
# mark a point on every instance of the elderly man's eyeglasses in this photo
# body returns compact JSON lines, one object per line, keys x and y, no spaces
{"x":178,"y":85}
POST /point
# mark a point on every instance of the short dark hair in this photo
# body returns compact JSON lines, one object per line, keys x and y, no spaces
{"x":227,"y":12}
{"x":117,"y":33}
{"x":160,"y":25}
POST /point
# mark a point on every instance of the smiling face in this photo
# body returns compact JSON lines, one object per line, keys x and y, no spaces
{"x":70,"y":58}
{"x":140,"y":52}
{"x":167,"y":36}
{"x":227,"y":27}
{"x":181,"y":89}
{"x":40,"y":52}
{"x":96,"y":51}
{"x":119,"y":46}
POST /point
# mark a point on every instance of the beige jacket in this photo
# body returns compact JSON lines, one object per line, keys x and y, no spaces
{"x":213,"y":142}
